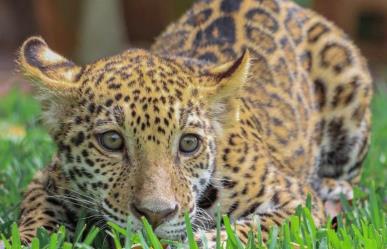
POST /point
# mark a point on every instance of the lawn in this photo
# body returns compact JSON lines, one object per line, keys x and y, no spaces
{"x":26,"y":147}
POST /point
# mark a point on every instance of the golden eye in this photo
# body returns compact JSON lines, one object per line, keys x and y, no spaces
{"x":111,"y":140}
{"x":189,"y":143}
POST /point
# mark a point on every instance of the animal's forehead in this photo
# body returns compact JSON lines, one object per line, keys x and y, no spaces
{"x":139,"y":67}
{"x":141,"y":89}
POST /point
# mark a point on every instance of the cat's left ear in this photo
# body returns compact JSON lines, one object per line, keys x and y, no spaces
{"x":224,"y":89}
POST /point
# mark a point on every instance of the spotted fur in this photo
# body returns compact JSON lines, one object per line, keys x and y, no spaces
{"x":278,"y":95}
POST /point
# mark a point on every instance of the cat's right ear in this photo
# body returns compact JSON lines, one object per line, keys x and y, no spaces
{"x":52,"y":72}
{"x":56,"y":79}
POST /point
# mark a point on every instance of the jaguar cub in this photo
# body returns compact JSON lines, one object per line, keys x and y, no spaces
{"x":249,"y":104}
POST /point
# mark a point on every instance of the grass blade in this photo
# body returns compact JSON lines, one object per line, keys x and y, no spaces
{"x":152,"y":237}
{"x":191,"y":238}
{"x":91,"y":236}
{"x":16,"y":243}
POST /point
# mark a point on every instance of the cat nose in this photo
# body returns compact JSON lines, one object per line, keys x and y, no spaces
{"x":155,"y":211}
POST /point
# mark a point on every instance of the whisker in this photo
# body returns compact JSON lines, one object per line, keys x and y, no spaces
{"x":73,"y":198}
{"x":86,"y":196}
{"x":93,"y":216}
{"x":77,"y":202}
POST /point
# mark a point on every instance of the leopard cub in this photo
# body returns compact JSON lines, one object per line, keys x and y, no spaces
{"x":250,"y":105}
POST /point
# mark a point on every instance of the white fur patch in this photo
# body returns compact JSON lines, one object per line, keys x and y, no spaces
{"x":52,"y":57}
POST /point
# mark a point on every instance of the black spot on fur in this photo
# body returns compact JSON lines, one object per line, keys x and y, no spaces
{"x":230,"y":5}
{"x":251,"y":209}
{"x":233,"y":207}
{"x":220,"y":32}
{"x":109,"y":102}
{"x":320,"y":93}
{"x":118,"y":96}
{"x":91,"y":107}
{"x":78,"y":139}
{"x":89,"y":162}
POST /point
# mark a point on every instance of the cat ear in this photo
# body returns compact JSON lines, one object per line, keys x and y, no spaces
{"x":223,"y":91}
{"x":51,"y":71}
{"x":56,"y":79}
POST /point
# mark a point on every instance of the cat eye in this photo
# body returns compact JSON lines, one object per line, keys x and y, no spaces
{"x":111,"y":140}
{"x":189,"y":143}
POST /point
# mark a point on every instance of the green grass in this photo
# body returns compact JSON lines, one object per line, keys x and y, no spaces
{"x":26,"y":147}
